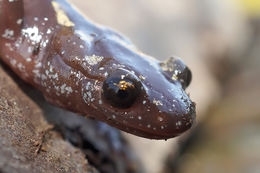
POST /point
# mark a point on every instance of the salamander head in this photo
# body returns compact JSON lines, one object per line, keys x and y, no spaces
{"x":125,"y":88}
{"x":145,"y":97}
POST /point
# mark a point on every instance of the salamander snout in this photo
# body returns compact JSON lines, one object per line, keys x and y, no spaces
{"x":171,"y":110}
{"x":151,"y":104}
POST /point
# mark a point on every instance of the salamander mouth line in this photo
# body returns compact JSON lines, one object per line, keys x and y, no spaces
{"x":147,"y":132}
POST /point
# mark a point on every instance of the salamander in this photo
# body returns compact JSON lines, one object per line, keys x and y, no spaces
{"x":94,"y":71}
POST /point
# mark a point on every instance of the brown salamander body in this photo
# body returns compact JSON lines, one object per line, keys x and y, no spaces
{"x":94,"y":71}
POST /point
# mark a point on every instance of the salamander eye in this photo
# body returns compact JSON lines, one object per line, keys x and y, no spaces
{"x":121,"y":90}
{"x":174,"y":68}
{"x":185,"y":77}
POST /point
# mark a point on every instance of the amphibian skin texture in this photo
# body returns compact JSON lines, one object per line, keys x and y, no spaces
{"x":94,"y":71}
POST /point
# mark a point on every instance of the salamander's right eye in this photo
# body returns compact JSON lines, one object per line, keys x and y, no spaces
{"x":121,"y":89}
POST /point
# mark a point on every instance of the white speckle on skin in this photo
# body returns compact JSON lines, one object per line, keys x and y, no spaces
{"x":44,"y":43}
{"x":62,"y":88}
{"x":38,"y":65}
{"x":46,"y":72}
{"x":37,"y":73}
{"x":139,"y":117}
{"x":93,"y":60}
{"x":157,"y":102}
{"x":51,"y":68}
{"x":19,"y":21}
{"x":88,"y":86}
{"x":142,"y":77}
{"x":48,"y":31}
{"x":176,"y":72}
{"x":17,"y":45}
{"x":8,"y":34}
{"x":7,"y":57}
{"x":160,"y":119}
{"x":9,"y":46}
{"x":89,"y":94}
{"x":13,"y":62}
{"x":21,"y":67}
{"x":29,"y":49}
{"x":122,"y":77}
{"x":33,"y":34}
{"x":69,"y":90}
{"x":162,"y":127}
{"x":178,"y":123}
{"x":28,"y":59}
{"x":43,"y":77}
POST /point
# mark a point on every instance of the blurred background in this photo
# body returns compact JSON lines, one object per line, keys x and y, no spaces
{"x":220,"y":41}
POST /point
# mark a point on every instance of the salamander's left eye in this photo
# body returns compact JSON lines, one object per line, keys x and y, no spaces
{"x":121,"y":90}
{"x":174,"y":68}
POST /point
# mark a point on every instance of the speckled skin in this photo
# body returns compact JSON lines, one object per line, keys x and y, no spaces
{"x":67,"y":57}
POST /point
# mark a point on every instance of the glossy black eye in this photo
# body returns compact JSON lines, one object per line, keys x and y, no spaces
{"x":175,"y":69}
{"x":185,"y":77}
{"x":121,"y":89}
